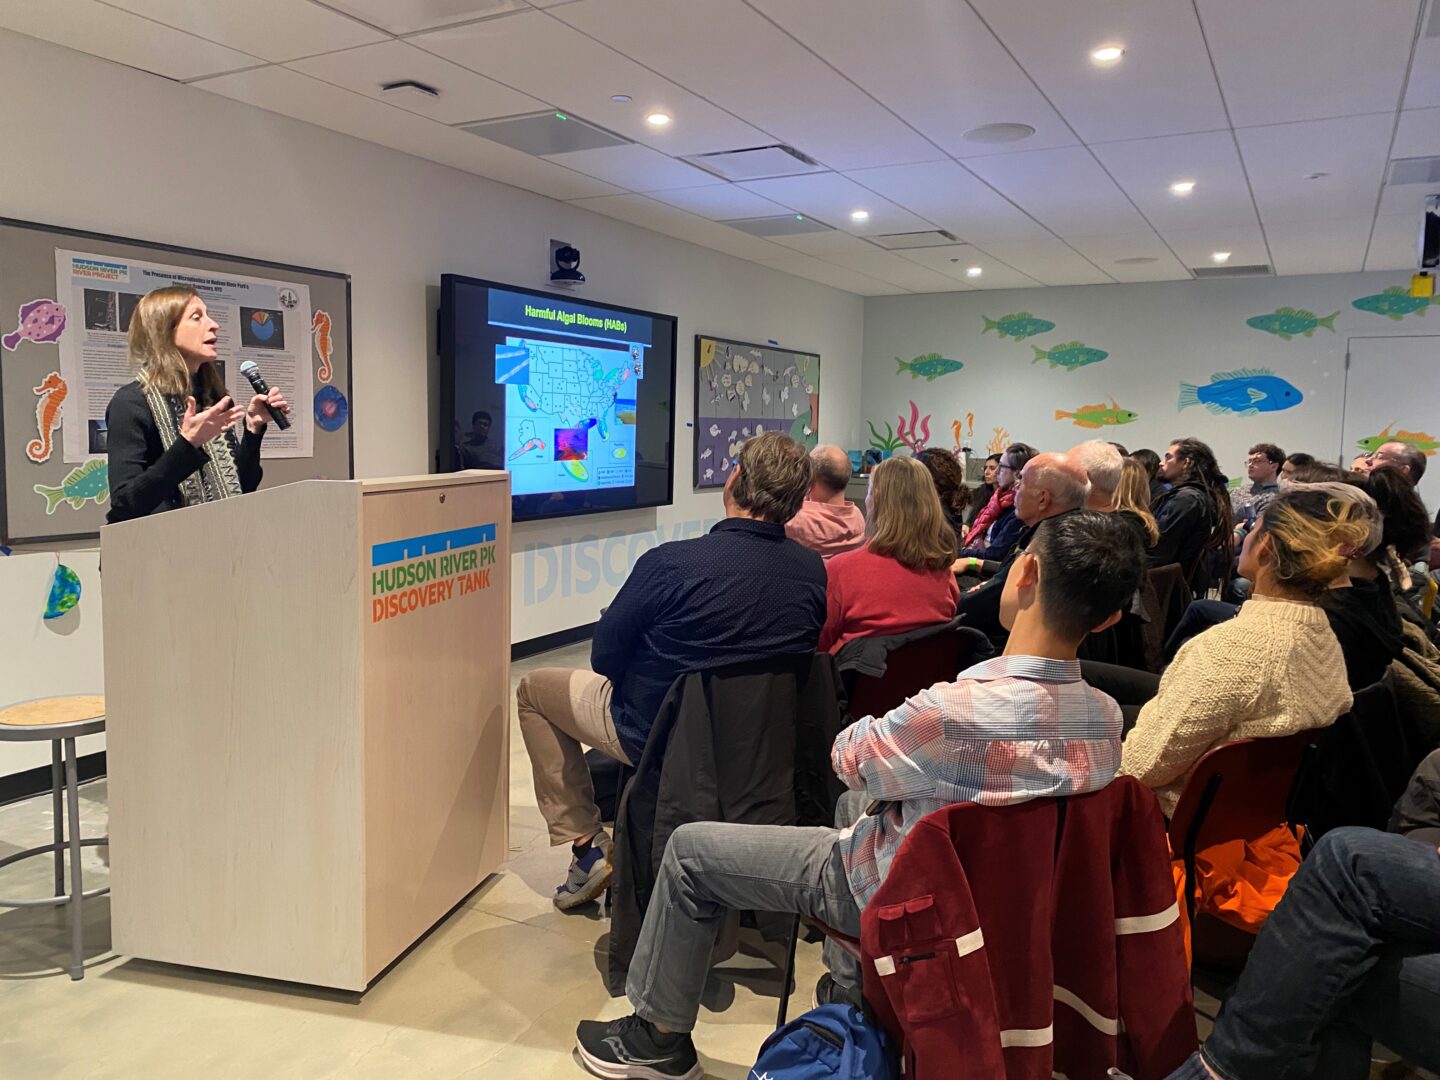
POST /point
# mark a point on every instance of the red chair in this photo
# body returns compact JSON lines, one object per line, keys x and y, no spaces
{"x":917,"y":666}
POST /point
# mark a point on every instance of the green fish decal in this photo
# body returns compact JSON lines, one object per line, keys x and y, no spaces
{"x":1071,"y":355}
{"x":1098,"y":416}
{"x":1395,"y":303}
{"x":928,"y":367}
{"x":1018,"y":326}
{"x":1425,"y":443}
{"x":1236,"y":484}
{"x":1286,"y":322}
{"x":87,"y":482}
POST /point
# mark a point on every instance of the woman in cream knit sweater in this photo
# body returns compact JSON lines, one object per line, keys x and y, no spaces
{"x":1275,"y":668}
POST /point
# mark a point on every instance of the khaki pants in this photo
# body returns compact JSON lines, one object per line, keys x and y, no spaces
{"x":561,"y":711}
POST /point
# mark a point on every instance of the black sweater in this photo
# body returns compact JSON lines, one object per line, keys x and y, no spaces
{"x":1367,"y":625}
{"x":144,"y":478}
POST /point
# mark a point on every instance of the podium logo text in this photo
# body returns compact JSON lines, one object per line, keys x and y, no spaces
{"x":410,"y":575}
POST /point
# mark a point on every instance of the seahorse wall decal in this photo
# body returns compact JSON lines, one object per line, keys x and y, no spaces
{"x":917,"y":435}
{"x":320,"y":330}
{"x":52,"y":392}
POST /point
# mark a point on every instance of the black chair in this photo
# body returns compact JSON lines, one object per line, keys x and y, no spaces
{"x":913,"y":667}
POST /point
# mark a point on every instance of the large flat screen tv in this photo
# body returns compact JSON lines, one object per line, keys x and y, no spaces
{"x":575,"y":398}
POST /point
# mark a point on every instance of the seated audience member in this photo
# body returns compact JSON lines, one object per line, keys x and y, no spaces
{"x":1417,"y":813}
{"x":1101,"y":462}
{"x":1132,"y":504}
{"x":901,"y":579}
{"x":1407,"y":531}
{"x":994,"y":534}
{"x":1194,"y":512}
{"x":1151,"y":462}
{"x":955,"y":742}
{"x":743,"y":592}
{"x":1402,"y":457}
{"x":1276,"y":667}
{"x":1293,"y":462}
{"x":1262,"y":468}
{"x":1350,"y":955}
{"x":982,"y":495}
{"x":1049,"y":485}
{"x":828,"y":523}
{"x":1360,"y":463}
{"x":949,"y":480}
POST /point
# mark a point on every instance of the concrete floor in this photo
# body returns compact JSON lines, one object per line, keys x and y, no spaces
{"x":495,"y":990}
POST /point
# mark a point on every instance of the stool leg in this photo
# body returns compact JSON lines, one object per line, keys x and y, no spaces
{"x":57,"y":792}
{"x":77,"y":881}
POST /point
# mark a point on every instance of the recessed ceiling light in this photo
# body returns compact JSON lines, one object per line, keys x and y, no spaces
{"x":974,"y":271}
{"x":1182,"y":187}
{"x":621,"y":98}
{"x":1221,"y":256}
{"x":658,"y":119}
{"x":859,"y":215}
{"x":1136,"y":260}
{"x":999,"y":133}
{"x":1107,"y":54}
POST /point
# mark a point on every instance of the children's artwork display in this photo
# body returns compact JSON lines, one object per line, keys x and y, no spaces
{"x":743,"y":390}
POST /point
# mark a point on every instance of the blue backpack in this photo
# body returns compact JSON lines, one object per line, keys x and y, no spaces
{"x":833,"y":1042}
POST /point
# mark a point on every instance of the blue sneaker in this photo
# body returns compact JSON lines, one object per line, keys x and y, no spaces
{"x":589,"y":875}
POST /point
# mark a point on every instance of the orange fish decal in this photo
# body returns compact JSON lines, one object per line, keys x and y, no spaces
{"x":320,"y":331}
{"x":52,"y":392}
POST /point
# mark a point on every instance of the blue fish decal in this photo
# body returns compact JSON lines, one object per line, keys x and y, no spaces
{"x":1018,"y":326}
{"x":1286,"y":322}
{"x":1395,"y":303}
{"x":1245,"y":392}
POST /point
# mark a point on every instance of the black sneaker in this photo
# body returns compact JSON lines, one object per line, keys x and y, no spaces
{"x":631,"y":1048}
{"x":830,"y":992}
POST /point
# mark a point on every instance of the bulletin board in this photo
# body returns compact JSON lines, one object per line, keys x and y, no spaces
{"x":743,"y":389}
{"x":43,"y":496}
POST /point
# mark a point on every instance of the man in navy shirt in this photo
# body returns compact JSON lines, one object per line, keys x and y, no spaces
{"x":743,"y":592}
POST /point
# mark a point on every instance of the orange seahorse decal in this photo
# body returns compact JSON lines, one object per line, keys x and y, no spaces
{"x":52,"y":392}
{"x":320,"y":330}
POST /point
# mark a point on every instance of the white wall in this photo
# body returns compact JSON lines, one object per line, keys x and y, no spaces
{"x":1158,"y":336}
{"x":92,"y":145}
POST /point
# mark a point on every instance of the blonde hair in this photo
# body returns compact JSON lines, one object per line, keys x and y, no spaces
{"x":152,"y":344}
{"x":1313,"y":527}
{"x":906,"y":521}
{"x":1133,"y":494}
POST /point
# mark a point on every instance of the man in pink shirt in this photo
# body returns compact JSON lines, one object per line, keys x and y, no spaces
{"x":828,"y":523}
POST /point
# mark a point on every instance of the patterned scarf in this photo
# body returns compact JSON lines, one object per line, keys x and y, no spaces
{"x":218,"y":478}
{"x":998,"y":504}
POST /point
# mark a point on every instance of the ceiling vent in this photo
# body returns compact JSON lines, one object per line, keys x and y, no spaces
{"x":1251,"y":270}
{"x":545,"y":133}
{"x":778,"y":225}
{"x":1415,"y":170}
{"x":906,"y":241}
{"x":756,"y":163}
{"x":409,"y":89}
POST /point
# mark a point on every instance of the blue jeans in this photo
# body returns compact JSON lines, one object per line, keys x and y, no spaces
{"x":710,"y":868}
{"x":1351,"y":954}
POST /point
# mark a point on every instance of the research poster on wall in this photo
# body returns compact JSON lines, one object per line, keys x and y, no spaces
{"x":264,"y":320}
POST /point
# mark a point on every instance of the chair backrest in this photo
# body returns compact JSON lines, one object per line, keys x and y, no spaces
{"x":1238,"y":791}
{"x":914,"y":667}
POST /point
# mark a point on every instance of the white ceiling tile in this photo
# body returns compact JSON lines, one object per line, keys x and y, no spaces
{"x":1051,"y":262}
{"x":1065,"y":190}
{"x":1195,"y":247}
{"x":647,"y":213}
{"x":635,"y":167}
{"x":783,"y":88}
{"x":137,"y":42}
{"x":1351,"y":150}
{"x":931,"y":61}
{"x":275,"y":30}
{"x":1335,"y":247}
{"x":547,"y":59}
{"x":1164,"y":85}
{"x":720,"y":202}
{"x":1394,"y":243}
{"x":954,"y":260}
{"x":1285,"y":60}
{"x":953,"y":198}
{"x":1145,"y":169}
{"x":889,"y":266}
{"x":464,"y":95}
{"x":832,"y":197}
{"x":1418,"y":134}
{"x":409,"y":16}
{"x":290,"y":93}
{"x":1107,"y":251}
{"x":1423,"y":89}
{"x":825,"y":243}
{"x":835,"y":276}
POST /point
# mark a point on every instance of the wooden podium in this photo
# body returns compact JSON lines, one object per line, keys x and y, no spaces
{"x":308,"y":722}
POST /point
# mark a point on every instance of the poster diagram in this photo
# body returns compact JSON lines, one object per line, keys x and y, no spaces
{"x":743,"y":390}
{"x":569,"y":414}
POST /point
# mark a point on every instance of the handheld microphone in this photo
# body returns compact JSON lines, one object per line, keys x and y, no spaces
{"x":251,"y":371}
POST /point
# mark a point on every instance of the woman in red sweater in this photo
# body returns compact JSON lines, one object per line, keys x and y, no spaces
{"x":901,"y":578}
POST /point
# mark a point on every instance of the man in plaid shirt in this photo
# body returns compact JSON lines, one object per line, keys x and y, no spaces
{"x":1019,"y":727}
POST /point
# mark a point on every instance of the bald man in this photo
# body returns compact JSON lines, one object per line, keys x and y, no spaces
{"x":1101,"y":462}
{"x":1048,"y":486}
{"x":828,"y":523}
